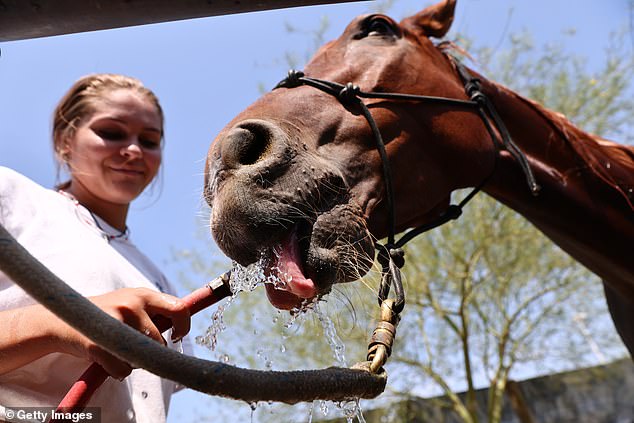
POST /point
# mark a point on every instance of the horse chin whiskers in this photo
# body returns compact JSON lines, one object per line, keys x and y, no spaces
{"x":353,"y":264}
{"x":342,"y":297}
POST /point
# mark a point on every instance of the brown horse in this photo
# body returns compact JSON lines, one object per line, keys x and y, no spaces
{"x":300,"y":172}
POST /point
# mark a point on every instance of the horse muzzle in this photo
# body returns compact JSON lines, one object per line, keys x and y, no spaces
{"x":271,"y":196}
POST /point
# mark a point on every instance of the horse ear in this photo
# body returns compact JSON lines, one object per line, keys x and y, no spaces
{"x":433,"y":21}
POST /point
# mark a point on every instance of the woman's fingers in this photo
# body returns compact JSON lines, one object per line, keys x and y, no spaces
{"x":137,"y":305}
{"x":174,"y":309}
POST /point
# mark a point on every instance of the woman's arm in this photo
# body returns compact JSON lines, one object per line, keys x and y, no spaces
{"x":31,"y":332}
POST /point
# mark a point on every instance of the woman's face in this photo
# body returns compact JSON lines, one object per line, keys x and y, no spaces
{"x":116,"y":152}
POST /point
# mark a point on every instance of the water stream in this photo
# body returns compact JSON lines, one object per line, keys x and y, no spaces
{"x":247,"y":279}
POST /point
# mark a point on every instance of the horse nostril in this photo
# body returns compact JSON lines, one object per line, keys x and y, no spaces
{"x":244,"y":146}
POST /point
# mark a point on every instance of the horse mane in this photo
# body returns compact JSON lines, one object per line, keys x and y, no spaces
{"x":611,"y":162}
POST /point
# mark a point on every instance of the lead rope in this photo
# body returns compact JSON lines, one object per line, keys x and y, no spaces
{"x":391,"y":256}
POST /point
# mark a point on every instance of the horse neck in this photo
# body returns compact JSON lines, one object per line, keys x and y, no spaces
{"x":585,"y":204}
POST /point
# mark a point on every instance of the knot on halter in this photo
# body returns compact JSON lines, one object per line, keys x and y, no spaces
{"x":349,"y":93}
{"x":292,"y":80}
{"x":391,"y":253}
{"x":473,"y":89}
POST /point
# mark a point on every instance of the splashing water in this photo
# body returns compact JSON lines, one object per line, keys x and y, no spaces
{"x":253,"y":406}
{"x":310,"y":412}
{"x":330,"y":332}
{"x":247,"y":279}
{"x":210,"y":339}
{"x":352,"y":408}
{"x":323,"y":406}
{"x":242,"y":279}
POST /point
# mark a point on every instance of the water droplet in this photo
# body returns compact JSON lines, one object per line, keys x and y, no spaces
{"x":310,"y":412}
{"x":129,"y":414}
{"x":224,"y":358}
{"x":323,"y":406}
{"x":351,"y":409}
{"x":143,"y":394}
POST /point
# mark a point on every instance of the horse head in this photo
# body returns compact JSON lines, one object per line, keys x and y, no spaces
{"x":299,"y":172}
{"x":332,"y":160}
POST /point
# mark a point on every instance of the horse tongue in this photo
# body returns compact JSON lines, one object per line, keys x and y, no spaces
{"x":290,"y":262}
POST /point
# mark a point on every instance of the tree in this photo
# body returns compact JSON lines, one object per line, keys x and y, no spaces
{"x":487,"y":295}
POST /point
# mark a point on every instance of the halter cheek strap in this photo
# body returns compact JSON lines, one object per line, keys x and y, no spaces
{"x":390,"y":255}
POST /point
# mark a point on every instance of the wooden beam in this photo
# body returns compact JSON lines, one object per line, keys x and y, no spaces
{"x":21,"y":19}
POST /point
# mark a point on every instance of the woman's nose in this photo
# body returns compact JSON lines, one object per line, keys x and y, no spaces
{"x":132,"y":149}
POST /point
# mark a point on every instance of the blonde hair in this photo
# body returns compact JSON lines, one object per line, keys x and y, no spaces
{"x":78,"y":104}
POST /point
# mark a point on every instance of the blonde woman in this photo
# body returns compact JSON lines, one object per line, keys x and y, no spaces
{"x":108,"y":135}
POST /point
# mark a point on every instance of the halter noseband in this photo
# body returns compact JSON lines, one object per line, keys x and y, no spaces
{"x":391,"y":255}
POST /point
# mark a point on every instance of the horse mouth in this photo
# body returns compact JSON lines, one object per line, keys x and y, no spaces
{"x":302,"y":258}
{"x":287,"y":266}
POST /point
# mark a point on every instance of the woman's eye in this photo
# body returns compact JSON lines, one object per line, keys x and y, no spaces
{"x":150,"y":144}
{"x":111,"y":135}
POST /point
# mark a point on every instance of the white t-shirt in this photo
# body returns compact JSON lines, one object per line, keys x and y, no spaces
{"x":64,"y":236}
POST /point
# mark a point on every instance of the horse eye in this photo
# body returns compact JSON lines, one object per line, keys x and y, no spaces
{"x":380,"y":27}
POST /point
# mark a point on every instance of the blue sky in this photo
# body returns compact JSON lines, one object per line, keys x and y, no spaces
{"x":206,"y":70}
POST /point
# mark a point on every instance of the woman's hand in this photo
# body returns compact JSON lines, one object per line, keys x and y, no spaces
{"x":135,"y":307}
{"x":34,"y":331}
